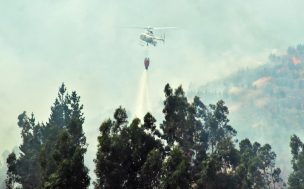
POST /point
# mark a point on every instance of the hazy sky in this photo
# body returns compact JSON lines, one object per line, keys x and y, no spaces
{"x":86,"y":45}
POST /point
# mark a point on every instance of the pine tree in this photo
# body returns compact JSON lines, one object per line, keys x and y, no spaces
{"x":52,"y":154}
{"x":62,"y":155}
{"x":12,"y":177}
{"x":70,"y":170}
{"x":59,"y":118}
{"x":28,"y":167}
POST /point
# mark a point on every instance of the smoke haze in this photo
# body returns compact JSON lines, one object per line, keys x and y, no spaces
{"x":82,"y":43}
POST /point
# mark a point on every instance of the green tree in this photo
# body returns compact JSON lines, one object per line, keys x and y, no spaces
{"x":221,"y":157}
{"x":126,"y":152}
{"x":257,"y":166}
{"x":12,"y":177}
{"x":206,"y":139}
{"x":62,"y":154}
{"x":28,"y":167}
{"x":218,"y":168}
{"x":150,"y":173}
{"x":59,"y":119}
{"x":198,"y":150}
{"x":217,"y":125}
{"x":296,"y":178}
{"x":52,"y":154}
{"x":184,"y":127}
{"x":70,"y":172}
{"x":176,"y":173}
{"x":176,"y":126}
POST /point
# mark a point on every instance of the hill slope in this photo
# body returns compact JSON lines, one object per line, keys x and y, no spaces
{"x":266,"y":103}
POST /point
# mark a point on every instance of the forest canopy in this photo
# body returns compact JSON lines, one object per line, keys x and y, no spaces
{"x":193,"y":147}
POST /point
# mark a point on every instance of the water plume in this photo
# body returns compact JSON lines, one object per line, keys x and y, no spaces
{"x":143,"y":101}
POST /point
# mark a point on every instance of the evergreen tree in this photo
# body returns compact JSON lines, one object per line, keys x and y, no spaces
{"x":183,"y":126}
{"x":62,"y":155}
{"x":221,"y":157}
{"x":60,"y":111}
{"x":206,"y":139}
{"x":150,"y":173}
{"x":12,"y":177}
{"x":296,"y":178}
{"x":257,"y":166}
{"x":70,"y":171}
{"x":176,"y":126}
{"x":126,"y":152}
{"x":176,"y":173}
{"x":59,"y":118}
{"x":194,"y":147}
{"x":217,"y":125}
{"x":28,"y":167}
{"x":52,"y":154}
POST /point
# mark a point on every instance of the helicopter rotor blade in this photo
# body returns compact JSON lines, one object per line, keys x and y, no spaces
{"x":163,"y":28}
{"x":134,"y":27}
{"x":150,"y":28}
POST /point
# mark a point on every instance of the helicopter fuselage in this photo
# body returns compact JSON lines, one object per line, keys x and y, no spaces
{"x":149,"y":38}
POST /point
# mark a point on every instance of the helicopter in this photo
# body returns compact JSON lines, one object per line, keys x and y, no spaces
{"x":148,"y":36}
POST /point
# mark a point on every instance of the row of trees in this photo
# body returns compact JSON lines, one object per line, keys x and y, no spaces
{"x":194,"y":147}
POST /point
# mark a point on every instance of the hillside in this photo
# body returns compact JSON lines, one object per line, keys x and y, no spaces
{"x":265,"y":103}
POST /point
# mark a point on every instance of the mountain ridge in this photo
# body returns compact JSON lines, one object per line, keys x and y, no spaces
{"x":266,"y":103}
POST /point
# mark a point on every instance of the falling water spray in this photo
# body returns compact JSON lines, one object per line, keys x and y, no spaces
{"x":143,"y":101}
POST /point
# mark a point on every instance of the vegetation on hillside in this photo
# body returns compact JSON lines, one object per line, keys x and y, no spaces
{"x":195,"y":146}
{"x":266,"y":102}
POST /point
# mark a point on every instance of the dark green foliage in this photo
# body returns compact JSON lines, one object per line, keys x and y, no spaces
{"x":176,"y":125}
{"x":12,"y":177}
{"x":64,"y":144}
{"x":70,"y":172}
{"x":125,"y":153}
{"x":27,"y":166}
{"x":194,"y":147}
{"x":52,"y":154}
{"x":217,"y":125}
{"x":296,"y":178}
{"x":197,"y":150}
{"x":60,"y":111}
{"x":151,"y":170}
{"x":257,"y":166}
{"x":176,"y":173}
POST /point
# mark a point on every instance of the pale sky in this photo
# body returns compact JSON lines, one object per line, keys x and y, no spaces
{"x":85,"y":44}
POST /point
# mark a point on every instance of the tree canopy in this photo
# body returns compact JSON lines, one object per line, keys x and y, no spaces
{"x":194,"y":146}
